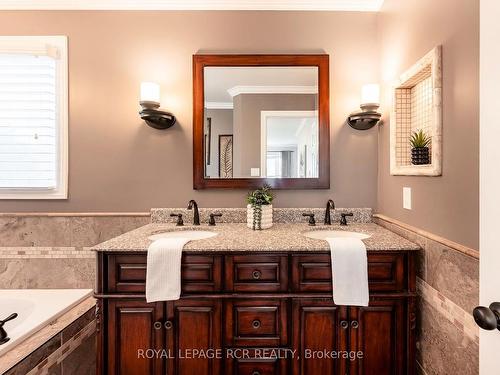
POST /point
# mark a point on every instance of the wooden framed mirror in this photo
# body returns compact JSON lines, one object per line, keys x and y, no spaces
{"x":261,"y":119}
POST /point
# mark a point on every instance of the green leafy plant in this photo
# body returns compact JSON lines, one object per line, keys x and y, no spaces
{"x":260,"y":197}
{"x":420,"y":139}
{"x":256,"y":199}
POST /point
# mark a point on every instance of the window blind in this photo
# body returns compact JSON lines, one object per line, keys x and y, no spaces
{"x":28,"y":121}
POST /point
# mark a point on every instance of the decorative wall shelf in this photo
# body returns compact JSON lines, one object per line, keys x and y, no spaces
{"x":417,"y":105}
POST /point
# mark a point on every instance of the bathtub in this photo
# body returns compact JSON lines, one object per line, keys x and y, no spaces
{"x":36,"y":308}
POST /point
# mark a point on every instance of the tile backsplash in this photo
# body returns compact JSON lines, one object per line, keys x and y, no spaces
{"x":448,"y":290}
{"x":30,"y":245}
{"x":52,"y":251}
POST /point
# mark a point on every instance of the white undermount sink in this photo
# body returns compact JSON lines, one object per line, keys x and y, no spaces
{"x":191,"y":234}
{"x":324,"y":234}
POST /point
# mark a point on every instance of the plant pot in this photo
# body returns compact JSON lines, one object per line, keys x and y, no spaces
{"x":420,"y":156}
{"x":260,"y":217}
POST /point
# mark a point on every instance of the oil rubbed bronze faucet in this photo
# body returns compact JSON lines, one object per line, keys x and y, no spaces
{"x":192,"y":205}
{"x":311,"y":221}
{"x":330,"y":205}
{"x":180,"y":222}
{"x":343,"y":218}
{"x":3,"y":334}
{"x":211,"y":222}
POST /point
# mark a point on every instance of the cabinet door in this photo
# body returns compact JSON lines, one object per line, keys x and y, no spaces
{"x":379,"y":332}
{"x":132,"y":338}
{"x":194,"y":335}
{"x":319,"y":331}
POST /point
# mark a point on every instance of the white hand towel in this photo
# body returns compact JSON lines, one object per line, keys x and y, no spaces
{"x":350,"y":271}
{"x":163,"y":269}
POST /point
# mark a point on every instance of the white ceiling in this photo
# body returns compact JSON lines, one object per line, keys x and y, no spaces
{"x":218,"y":80}
{"x":313,"y":5}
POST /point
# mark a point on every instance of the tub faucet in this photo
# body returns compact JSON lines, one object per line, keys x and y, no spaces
{"x":330,"y":205}
{"x":192,"y":205}
{"x":3,"y":334}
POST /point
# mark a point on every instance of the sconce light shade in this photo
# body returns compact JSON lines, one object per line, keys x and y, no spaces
{"x":150,"y":94}
{"x":370,"y":96}
{"x":150,"y":102}
{"x":368,"y":117}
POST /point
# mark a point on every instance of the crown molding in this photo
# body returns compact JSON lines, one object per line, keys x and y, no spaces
{"x":306,"y":5}
{"x":237,"y":90}
{"x":219,"y":105}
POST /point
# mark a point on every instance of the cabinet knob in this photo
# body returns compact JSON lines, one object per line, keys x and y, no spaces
{"x":169,"y":324}
{"x":344,"y":324}
{"x":256,"y":324}
{"x":355,"y":324}
{"x":256,"y":372}
{"x":256,"y":274}
{"x":158,"y":324}
{"x":488,"y":318}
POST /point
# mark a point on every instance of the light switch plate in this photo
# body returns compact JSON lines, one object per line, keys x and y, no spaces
{"x":407,"y":198}
{"x":255,"y":172}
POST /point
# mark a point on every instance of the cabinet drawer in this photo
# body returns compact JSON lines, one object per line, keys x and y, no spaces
{"x":254,"y":362}
{"x":313,"y":273}
{"x":256,"y":273}
{"x":256,"y":322}
{"x":200,"y":273}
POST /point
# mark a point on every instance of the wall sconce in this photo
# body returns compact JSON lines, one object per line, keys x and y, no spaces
{"x":150,"y":102}
{"x":368,"y":117}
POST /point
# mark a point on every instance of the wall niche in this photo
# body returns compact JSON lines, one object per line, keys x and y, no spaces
{"x":417,"y":106}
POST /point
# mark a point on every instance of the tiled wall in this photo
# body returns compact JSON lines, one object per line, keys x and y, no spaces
{"x":413,"y":103}
{"x":30,"y":246}
{"x":421,"y":105}
{"x":403,"y":127}
{"x":448,"y":289}
{"x":71,"y":351}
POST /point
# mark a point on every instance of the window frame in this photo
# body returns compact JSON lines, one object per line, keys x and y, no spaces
{"x":24,"y":44}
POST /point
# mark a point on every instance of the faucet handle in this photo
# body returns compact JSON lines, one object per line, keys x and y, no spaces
{"x":180,"y":222}
{"x":211,"y":222}
{"x":343,"y":219}
{"x":3,"y":334}
{"x":311,"y":221}
{"x":10,"y":317}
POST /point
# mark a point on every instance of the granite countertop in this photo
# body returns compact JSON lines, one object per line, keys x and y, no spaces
{"x":237,"y":237}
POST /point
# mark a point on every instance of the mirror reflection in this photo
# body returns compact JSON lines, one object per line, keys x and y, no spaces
{"x":261,"y":122}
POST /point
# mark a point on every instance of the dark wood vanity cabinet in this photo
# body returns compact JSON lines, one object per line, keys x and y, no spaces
{"x":195,"y":324}
{"x":318,"y":331}
{"x":130,"y":330}
{"x":146,"y":338}
{"x":255,"y":314}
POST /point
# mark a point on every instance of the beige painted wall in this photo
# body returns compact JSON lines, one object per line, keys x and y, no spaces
{"x":119,"y":164}
{"x":447,"y":205}
{"x":247,"y":124}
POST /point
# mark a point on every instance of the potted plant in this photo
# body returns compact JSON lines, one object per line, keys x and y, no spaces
{"x":260,"y":208}
{"x":420,"y":142}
